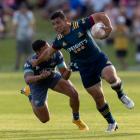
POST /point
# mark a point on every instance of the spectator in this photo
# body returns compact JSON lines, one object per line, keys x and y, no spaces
{"x":52,"y":5}
{"x":112,"y":13}
{"x":1,"y":28}
{"x":121,"y":41}
{"x":99,"y":5}
{"x":23,"y":24}
{"x":2,"y":23}
{"x":136,"y":32}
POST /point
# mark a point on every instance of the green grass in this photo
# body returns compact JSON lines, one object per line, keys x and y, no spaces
{"x":17,"y":122}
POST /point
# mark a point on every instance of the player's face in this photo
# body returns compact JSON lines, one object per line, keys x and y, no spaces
{"x":39,"y":52}
{"x":59,"y":25}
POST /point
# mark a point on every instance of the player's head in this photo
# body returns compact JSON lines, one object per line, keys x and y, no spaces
{"x":39,"y":46}
{"x":59,"y":21}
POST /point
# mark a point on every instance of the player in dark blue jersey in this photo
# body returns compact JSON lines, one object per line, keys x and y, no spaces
{"x":44,"y":76}
{"x":92,"y":63}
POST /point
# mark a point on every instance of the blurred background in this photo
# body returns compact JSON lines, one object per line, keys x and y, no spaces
{"x":17,"y":32}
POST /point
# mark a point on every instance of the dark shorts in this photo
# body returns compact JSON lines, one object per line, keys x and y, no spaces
{"x":24,"y":46}
{"x":39,"y":89}
{"x":91,"y":72}
{"x":121,"y":53}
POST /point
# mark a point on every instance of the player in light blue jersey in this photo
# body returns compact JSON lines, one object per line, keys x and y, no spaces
{"x":43,"y":77}
{"x":92,"y":63}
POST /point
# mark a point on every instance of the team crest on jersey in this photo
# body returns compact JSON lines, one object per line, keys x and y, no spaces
{"x":64,"y":44}
{"x":80,"y":34}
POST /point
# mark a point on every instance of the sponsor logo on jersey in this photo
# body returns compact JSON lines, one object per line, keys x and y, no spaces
{"x":78,"y":47}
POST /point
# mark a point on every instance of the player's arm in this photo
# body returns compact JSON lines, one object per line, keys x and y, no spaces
{"x":61,"y":65}
{"x":29,"y":74}
{"x":31,"y":78}
{"x":46,"y":55}
{"x":88,"y":22}
{"x":102,"y":17}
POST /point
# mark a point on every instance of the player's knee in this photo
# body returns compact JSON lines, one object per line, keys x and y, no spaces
{"x":74,"y":95}
{"x":112,"y":79}
{"x":45,"y":120}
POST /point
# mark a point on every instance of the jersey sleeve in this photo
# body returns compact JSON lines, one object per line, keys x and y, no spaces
{"x":28,"y":68}
{"x":60,"y":60}
{"x":86,"y":23}
{"x":56,"y":45}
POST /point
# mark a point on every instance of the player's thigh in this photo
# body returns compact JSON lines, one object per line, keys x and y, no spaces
{"x":109,"y":74}
{"x":65,"y":87}
{"x":38,"y":93}
{"x":41,"y":112}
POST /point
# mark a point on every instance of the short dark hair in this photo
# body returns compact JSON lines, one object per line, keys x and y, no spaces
{"x":58,"y":14}
{"x":38,"y":44}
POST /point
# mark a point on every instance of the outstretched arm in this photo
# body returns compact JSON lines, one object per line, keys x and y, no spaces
{"x":31,"y":78}
{"x":46,"y":55}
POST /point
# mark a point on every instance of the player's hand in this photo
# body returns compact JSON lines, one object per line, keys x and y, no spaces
{"x":34,"y":62}
{"x":107,"y":31}
{"x":45,"y":74}
{"x":66,"y":74}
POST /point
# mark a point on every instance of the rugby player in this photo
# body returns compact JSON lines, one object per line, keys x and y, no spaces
{"x":92,"y":63}
{"x":43,"y":76}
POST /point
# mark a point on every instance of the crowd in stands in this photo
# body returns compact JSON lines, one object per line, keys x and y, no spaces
{"x":124,"y":15}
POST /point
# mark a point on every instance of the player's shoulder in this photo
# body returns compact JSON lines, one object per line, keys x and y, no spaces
{"x":28,"y":61}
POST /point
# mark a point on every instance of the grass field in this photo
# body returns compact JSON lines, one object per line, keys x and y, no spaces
{"x":17,"y":122}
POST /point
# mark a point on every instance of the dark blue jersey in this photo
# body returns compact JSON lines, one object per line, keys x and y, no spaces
{"x":79,"y":43}
{"x":55,"y":60}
